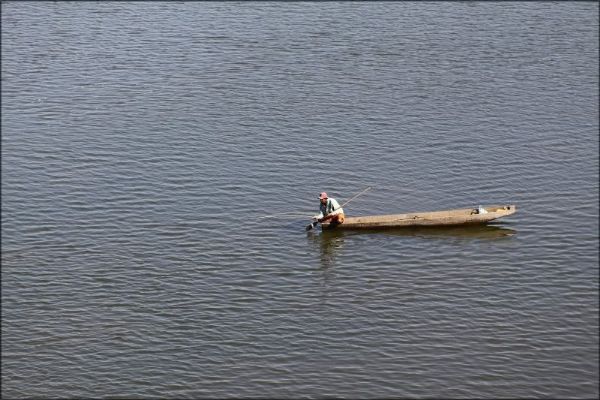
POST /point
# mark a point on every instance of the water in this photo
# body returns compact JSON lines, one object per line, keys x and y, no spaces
{"x":142,"y":142}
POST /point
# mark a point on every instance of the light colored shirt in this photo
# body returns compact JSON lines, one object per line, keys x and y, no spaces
{"x":331,"y":207}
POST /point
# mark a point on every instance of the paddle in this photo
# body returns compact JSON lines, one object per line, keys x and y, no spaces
{"x":314,"y":223}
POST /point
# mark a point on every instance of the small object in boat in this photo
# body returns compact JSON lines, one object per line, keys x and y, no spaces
{"x":481,"y":210}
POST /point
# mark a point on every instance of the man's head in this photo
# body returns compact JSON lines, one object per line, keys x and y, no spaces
{"x":323,"y":197}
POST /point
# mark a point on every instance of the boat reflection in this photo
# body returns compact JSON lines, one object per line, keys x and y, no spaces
{"x":329,"y":243}
{"x":489,"y":232}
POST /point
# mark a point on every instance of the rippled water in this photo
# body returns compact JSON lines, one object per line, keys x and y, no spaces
{"x":143,"y":142}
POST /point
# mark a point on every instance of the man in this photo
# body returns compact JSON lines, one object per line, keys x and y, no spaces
{"x":330,"y":210}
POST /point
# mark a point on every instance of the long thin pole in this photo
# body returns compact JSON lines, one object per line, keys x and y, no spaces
{"x":369,"y":188}
{"x":295,"y":214}
{"x":286,"y":215}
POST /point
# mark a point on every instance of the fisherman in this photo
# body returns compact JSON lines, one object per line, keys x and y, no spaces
{"x":330,"y":210}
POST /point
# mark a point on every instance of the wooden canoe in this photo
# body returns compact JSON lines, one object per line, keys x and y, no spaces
{"x":462,"y":216}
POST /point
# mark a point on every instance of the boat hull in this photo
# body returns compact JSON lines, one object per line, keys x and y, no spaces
{"x":463,"y":216}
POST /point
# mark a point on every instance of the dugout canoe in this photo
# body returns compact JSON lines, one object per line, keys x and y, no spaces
{"x":462,"y":216}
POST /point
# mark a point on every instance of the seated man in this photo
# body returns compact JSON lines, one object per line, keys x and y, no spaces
{"x":330,"y":210}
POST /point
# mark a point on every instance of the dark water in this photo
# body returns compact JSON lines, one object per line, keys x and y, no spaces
{"x":143,"y":141}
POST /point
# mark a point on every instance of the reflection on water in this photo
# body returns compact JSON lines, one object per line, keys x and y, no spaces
{"x":462,"y":231}
{"x":329,"y":243}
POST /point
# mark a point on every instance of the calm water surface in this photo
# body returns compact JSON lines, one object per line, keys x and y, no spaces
{"x":142,"y":143}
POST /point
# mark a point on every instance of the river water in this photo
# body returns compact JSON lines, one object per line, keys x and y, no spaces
{"x":142,"y":142}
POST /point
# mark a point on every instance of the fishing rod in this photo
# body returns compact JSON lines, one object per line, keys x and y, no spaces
{"x":369,"y":188}
{"x":286,"y":215}
{"x":314,"y":223}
